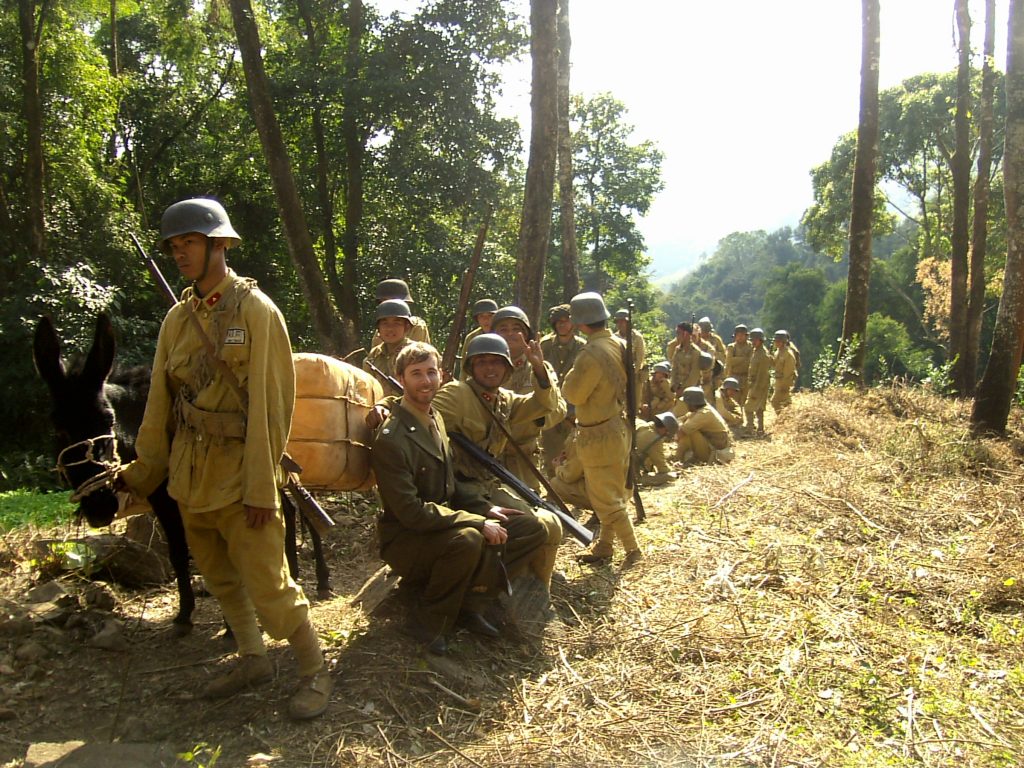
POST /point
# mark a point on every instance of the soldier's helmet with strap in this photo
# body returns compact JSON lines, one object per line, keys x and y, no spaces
{"x":731,"y":383}
{"x":782,"y":335}
{"x":663,"y":367}
{"x":394,"y":308}
{"x":669,"y":421}
{"x":741,"y":328}
{"x":706,"y":360}
{"x":757,"y":333}
{"x":197,"y":214}
{"x":705,"y":324}
{"x":588,"y":308}
{"x":393,"y":288}
{"x":483,"y":306}
{"x":488,"y":344}
{"x":694,"y":396}
{"x":513,"y":313}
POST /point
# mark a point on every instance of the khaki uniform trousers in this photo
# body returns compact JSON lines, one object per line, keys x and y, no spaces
{"x":604,"y":452}
{"x":703,"y":451}
{"x":553,"y":442}
{"x":246,"y":570}
{"x":781,"y":397}
{"x":573,"y":494}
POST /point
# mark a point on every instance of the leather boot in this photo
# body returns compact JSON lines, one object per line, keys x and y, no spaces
{"x":248,"y":671}
{"x":312,"y":696}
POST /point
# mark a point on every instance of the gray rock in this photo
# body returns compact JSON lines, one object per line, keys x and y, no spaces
{"x":30,"y":652}
{"x":110,"y":637}
{"x":48,"y":592}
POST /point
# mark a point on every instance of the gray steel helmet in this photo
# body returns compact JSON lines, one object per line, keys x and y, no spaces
{"x":757,"y":333}
{"x":694,"y":396}
{"x":588,"y":308}
{"x":394,"y":308}
{"x":512,"y":313}
{"x":667,"y":420}
{"x":741,"y":328}
{"x":487,"y":344}
{"x":622,"y":314}
{"x":484,"y":305}
{"x":664,"y":366}
{"x":781,"y":334}
{"x":197,"y":214}
{"x":705,"y":324}
{"x":706,"y":360}
{"x":557,"y":312}
{"x":731,"y":383}
{"x":392,"y":288}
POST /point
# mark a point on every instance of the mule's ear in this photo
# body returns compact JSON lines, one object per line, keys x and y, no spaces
{"x":101,"y":356}
{"x":46,"y":353}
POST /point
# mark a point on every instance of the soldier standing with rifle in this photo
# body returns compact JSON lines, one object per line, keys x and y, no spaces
{"x":217,"y":432}
{"x":596,"y":386}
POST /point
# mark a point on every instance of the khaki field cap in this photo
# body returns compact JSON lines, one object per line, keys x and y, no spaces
{"x":667,"y":420}
{"x":588,"y":308}
{"x":488,"y":344}
{"x":198,"y":214}
{"x":512,"y":313}
{"x":694,"y":396}
{"x":557,"y":312}
{"x":393,"y":288}
{"x":484,"y":305}
{"x":394,"y":308}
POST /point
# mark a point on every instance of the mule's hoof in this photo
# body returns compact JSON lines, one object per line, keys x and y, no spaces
{"x":324,"y":594}
{"x":180,"y":629}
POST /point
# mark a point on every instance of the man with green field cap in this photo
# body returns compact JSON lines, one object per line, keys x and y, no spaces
{"x":596,"y":386}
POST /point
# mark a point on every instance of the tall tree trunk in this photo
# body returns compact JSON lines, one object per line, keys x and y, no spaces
{"x":982,"y":183}
{"x":570,"y":253}
{"x":855,"y":317}
{"x":960,"y":165}
{"x":999,"y":382}
{"x":331,"y":333}
{"x":535,"y":228}
{"x":31,"y":34}
{"x":355,"y":148}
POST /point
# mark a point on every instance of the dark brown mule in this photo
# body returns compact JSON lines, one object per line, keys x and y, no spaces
{"x":96,"y":416}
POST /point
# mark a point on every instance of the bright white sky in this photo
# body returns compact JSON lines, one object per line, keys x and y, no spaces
{"x":744,"y":97}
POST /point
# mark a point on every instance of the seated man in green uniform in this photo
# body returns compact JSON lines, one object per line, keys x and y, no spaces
{"x":434,"y":530}
{"x":217,"y":433}
{"x":703,"y":437}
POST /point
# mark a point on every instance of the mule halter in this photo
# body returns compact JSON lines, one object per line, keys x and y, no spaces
{"x":106,"y":459}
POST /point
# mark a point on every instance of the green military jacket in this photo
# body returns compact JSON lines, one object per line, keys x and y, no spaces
{"x":561,"y":356}
{"x":416,"y":480}
{"x":383,"y":356}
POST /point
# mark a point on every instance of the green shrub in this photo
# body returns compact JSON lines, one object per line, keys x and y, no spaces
{"x":24,"y":507}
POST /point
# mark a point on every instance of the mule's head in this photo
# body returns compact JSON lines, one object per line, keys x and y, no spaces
{"x":82,"y":416}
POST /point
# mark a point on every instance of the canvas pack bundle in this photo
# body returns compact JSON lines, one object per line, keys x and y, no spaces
{"x":329,"y":436}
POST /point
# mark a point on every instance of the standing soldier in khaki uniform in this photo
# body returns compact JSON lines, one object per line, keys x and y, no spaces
{"x":707,"y":374}
{"x":483,"y":313}
{"x":727,"y":404}
{"x":569,"y":482}
{"x":704,"y":437}
{"x":434,"y":530}
{"x":662,"y":396}
{"x":758,"y":382}
{"x":784,"y":367}
{"x":596,"y":386}
{"x":737,"y":359}
{"x":707,"y":332}
{"x":394,"y":288}
{"x":513,"y":326}
{"x":639,"y":354}
{"x":394,"y":322}
{"x":685,"y":361}
{"x":560,"y":349}
{"x":463,"y":403}
{"x":220,"y":449}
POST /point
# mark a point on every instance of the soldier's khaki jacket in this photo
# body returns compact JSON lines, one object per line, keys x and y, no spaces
{"x":662,"y":396}
{"x":209,"y":471}
{"x":561,"y":356}
{"x":709,"y":423}
{"x":650,"y":447}
{"x":759,"y":374}
{"x":639,"y":351}
{"x":718,"y":345}
{"x":686,"y":368}
{"x":463,"y":371}
{"x":464,"y":412}
{"x":737,"y":359}
{"x":784,"y":367}
{"x":596,"y":385}
{"x":418,"y":488}
{"x":729,"y":409}
{"x":418,"y":332}
{"x":384,"y":356}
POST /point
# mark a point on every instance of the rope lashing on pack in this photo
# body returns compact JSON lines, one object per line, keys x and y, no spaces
{"x":100,"y":451}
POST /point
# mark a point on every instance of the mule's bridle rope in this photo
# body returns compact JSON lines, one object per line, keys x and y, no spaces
{"x":108,"y":461}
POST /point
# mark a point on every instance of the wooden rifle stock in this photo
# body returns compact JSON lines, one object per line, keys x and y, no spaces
{"x":315,"y":515}
{"x":452,"y":347}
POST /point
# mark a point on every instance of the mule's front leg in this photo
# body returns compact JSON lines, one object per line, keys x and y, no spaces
{"x":169,"y":515}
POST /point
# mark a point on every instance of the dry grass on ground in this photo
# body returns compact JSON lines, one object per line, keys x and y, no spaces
{"x":847,"y":593}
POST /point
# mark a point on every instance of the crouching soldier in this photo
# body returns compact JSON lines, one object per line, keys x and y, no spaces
{"x":662,"y":396}
{"x":436,"y":532}
{"x":727,"y":405}
{"x":650,"y":448}
{"x":704,"y":436}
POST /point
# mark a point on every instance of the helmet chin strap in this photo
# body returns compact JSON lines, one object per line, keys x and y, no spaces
{"x":206,"y":265}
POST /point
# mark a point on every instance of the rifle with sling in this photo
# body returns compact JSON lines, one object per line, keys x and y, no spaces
{"x":631,"y":471}
{"x":582,"y":534}
{"x":311,"y":510}
{"x":451,"y":349}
